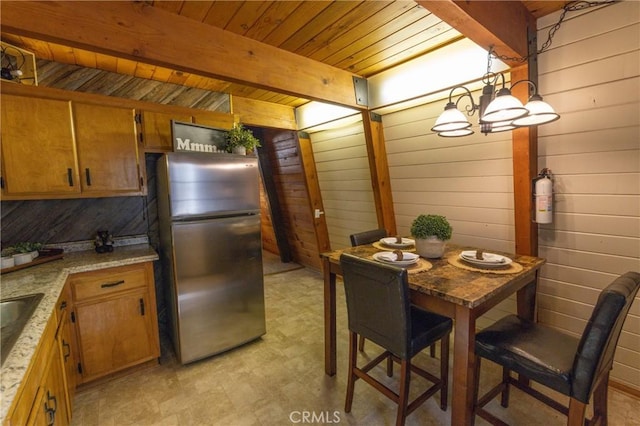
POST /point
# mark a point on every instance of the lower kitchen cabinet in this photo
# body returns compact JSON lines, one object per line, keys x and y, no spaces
{"x":43,"y":397}
{"x":51,"y":400}
{"x":115,"y":319}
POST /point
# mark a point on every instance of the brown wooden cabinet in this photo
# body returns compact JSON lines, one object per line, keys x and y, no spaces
{"x":38,"y":150}
{"x":115,"y":319}
{"x":156,"y":129}
{"x":156,"y":126}
{"x":43,"y":397}
{"x":106,"y":138}
{"x":67,"y":347}
{"x":50,"y":406}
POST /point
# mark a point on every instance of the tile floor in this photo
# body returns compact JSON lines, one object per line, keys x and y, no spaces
{"x":279,"y":379}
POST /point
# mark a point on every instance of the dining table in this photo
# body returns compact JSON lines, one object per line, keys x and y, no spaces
{"x":450,"y":287}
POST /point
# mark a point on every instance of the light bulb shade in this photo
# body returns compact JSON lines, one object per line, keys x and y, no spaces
{"x":501,"y":126}
{"x":456,"y":133}
{"x":505,"y":107}
{"x":451,"y":119}
{"x":540,"y":112}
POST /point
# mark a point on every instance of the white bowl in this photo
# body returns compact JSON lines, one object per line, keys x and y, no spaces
{"x":8,"y":262}
{"x":22,"y":258}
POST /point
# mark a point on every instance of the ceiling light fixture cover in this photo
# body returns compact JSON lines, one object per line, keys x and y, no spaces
{"x":499,"y":112}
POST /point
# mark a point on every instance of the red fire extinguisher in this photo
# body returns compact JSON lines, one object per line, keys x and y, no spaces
{"x":543,"y":196}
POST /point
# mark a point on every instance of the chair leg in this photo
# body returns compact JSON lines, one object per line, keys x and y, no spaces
{"x":353,"y":355}
{"x":403,"y":396}
{"x":432,"y":350}
{"x":361,"y":344}
{"x":389,"y":366}
{"x":444,"y":371}
{"x":504,"y":399}
{"x":600,"y":397}
{"x":577,"y":410}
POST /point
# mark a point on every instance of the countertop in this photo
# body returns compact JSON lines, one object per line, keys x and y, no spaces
{"x":49,"y":278}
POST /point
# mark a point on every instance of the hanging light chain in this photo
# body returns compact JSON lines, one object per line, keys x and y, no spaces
{"x":569,"y":7}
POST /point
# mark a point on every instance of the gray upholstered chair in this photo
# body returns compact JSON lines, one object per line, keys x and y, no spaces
{"x":575,"y":367}
{"x":379,"y":308}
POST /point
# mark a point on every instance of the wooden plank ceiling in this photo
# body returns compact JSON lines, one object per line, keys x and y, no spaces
{"x":362,"y":37}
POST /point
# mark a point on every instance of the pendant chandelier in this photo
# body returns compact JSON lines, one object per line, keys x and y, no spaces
{"x":498,"y":111}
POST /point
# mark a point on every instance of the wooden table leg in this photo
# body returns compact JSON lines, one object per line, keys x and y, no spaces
{"x":329,"y":318}
{"x":463,"y":368}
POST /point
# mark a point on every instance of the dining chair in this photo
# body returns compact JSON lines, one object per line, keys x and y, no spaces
{"x":367,"y":237}
{"x":361,"y":238}
{"x":379,"y":308}
{"x":575,"y":367}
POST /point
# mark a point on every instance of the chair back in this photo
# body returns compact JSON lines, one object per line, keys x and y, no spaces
{"x":600,"y":337}
{"x":378,"y":304}
{"x":367,"y":237}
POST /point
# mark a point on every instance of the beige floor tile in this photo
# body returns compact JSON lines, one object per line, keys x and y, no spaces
{"x":279,"y":379}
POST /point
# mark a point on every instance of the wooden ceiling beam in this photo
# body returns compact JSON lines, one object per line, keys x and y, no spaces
{"x":140,"y":32}
{"x":501,"y":24}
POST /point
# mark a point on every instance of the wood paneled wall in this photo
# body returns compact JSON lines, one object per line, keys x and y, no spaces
{"x":288,"y":173}
{"x":591,"y":75}
{"x":345,"y":182}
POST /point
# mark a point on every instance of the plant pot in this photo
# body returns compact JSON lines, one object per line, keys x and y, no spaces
{"x":34,"y":254}
{"x":7,"y":262}
{"x":430,"y":248}
{"x":22,"y":258}
{"x":240,"y":150}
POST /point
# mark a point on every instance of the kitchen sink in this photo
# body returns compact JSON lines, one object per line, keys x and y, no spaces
{"x":14,"y":314}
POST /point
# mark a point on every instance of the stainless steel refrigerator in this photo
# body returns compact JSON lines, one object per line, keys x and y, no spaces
{"x":211,"y":250}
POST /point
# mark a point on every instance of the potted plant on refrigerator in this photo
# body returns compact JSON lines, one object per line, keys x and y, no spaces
{"x":431,"y":233}
{"x":239,"y":140}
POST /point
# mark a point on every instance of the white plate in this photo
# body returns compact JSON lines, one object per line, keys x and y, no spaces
{"x":489,"y":260}
{"x":392,"y":242}
{"x":390,"y":258}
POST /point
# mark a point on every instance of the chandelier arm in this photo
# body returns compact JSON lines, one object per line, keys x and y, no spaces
{"x":470,"y":109}
{"x":531,"y":83}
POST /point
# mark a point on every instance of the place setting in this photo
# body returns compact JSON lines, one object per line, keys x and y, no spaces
{"x":404,"y":259}
{"x":396,"y":243}
{"x":483,"y":261}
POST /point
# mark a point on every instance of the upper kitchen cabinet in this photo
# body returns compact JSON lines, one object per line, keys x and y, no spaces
{"x":156,"y":126}
{"x":38,"y":150}
{"x":106,"y":138}
{"x":156,"y":129}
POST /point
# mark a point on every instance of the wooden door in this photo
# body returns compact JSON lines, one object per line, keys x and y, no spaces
{"x":156,"y":129}
{"x":38,"y":149}
{"x":115,"y":333}
{"x":107,"y":149}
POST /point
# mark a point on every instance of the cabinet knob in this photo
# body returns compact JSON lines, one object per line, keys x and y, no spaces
{"x":70,"y":176}
{"x":87,"y":173}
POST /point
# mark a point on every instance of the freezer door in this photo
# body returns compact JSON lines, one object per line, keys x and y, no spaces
{"x":218,"y":284}
{"x":212,"y":185}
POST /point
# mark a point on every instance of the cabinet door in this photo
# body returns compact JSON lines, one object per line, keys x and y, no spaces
{"x":38,"y":150}
{"x":116,"y":333}
{"x":156,"y":129}
{"x":50,"y":407}
{"x":107,"y":149}
{"x":68,"y":362}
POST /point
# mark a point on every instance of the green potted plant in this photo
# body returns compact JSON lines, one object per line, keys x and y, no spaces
{"x":431,"y":232}
{"x":239,"y":140}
